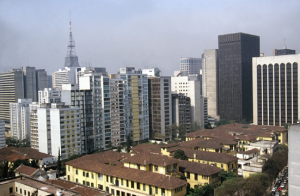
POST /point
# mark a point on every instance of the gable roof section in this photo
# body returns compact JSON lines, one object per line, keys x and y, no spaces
{"x":150,"y":158}
{"x":198,"y":168}
{"x":26,"y":170}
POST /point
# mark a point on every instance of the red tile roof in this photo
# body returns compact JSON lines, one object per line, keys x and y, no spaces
{"x":155,"y":148}
{"x":207,"y":156}
{"x":198,"y":168}
{"x":254,"y":150}
{"x":26,"y":170}
{"x":13,"y":154}
{"x":83,"y":190}
{"x":150,"y":158}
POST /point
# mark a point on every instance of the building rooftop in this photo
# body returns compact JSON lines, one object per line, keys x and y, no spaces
{"x":155,"y":148}
{"x":26,"y":170}
{"x":198,"y":168}
{"x":13,"y":153}
{"x":150,"y":158}
{"x":84,"y":190}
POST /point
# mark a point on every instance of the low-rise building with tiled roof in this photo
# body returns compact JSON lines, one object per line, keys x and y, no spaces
{"x":152,"y":162}
{"x":30,"y":172}
{"x":199,"y":174}
{"x":220,"y":160}
{"x":155,"y":148}
{"x":88,"y":170}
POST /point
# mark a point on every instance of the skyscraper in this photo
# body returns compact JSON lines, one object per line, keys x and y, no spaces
{"x":210,"y":74}
{"x":285,"y":51}
{"x":235,"y":75}
{"x":275,"y":90}
{"x":160,"y":105}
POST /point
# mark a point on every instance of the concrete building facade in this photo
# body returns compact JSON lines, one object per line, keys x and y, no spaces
{"x":2,"y":134}
{"x":190,"y":86}
{"x":210,"y":88}
{"x":294,"y":159}
{"x":181,"y":111}
{"x":19,"y":119}
{"x":160,"y":105}
{"x":275,"y":90}
{"x":136,"y":99}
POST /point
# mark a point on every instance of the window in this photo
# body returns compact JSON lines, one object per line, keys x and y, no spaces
{"x":87,"y":174}
{"x":175,"y":167}
{"x":20,"y":191}
{"x":122,"y":182}
{"x":16,"y":189}
{"x":100,"y":176}
{"x":100,"y":186}
{"x":132,"y":184}
{"x":162,"y":191}
{"x":68,"y":168}
{"x":138,"y":186}
{"x":76,"y":172}
{"x":204,"y":177}
{"x":83,"y":182}
{"x":77,"y":180}
{"x":169,"y":168}
{"x":107,"y":189}
{"x":87,"y":183}
{"x":144,"y":187}
{"x":106,"y":178}
{"x":69,"y":177}
{"x":24,"y":192}
{"x":222,"y":166}
{"x":156,"y":190}
{"x":111,"y":179}
{"x":127,"y":184}
{"x":10,"y":189}
{"x":92,"y":176}
{"x":28,"y":193}
{"x":92,"y":184}
{"x":196,"y":176}
{"x":155,"y":168}
{"x":83,"y":173}
{"x":188,"y":175}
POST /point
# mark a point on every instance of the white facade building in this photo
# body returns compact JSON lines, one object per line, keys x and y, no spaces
{"x":64,"y":76}
{"x":190,"y":86}
{"x":19,"y":119}
{"x":50,"y":95}
{"x":191,"y":65}
{"x":154,"y":72}
{"x":294,"y":159}
{"x":276,"y":85}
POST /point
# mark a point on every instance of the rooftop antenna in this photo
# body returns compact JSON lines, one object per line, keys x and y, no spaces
{"x":284,"y":44}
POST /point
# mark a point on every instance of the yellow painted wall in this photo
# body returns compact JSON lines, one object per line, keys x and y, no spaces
{"x":93,"y":178}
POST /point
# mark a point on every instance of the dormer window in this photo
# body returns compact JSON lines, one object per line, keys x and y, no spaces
{"x":155,"y":168}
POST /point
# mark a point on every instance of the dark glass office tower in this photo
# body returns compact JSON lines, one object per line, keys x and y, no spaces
{"x":235,"y":75}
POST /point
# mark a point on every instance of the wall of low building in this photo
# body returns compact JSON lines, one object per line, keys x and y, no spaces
{"x":196,"y":179}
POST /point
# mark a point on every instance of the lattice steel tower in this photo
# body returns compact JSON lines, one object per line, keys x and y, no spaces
{"x":71,"y":59}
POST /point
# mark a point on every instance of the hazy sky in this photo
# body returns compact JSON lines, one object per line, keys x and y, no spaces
{"x":139,"y":33}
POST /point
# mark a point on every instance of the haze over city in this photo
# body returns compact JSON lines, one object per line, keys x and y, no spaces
{"x":142,"y":34}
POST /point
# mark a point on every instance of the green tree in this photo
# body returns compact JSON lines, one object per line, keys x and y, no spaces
{"x":58,"y":164}
{"x":195,"y":127}
{"x":222,"y":122}
{"x":229,"y":187}
{"x":13,"y":141}
{"x":204,"y":190}
{"x":180,"y":154}
{"x":128,"y":143}
{"x":119,"y":149}
{"x":227,"y":175}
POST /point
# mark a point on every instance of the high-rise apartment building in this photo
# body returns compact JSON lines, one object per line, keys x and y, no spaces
{"x":93,"y":98}
{"x":19,"y":119}
{"x":285,"y":51}
{"x":49,"y":95}
{"x":160,"y":105}
{"x":2,"y":134}
{"x":275,"y":90}
{"x":181,"y":111}
{"x":117,"y":106}
{"x":190,"y":86}
{"x":235,"y":75}
{"x":210,"y":74}
{"x":136,"y":99}
{"x":65,"y":131}
{"x":64,"y":76}
{"x":11,"y":89}
{"x":191,"y":65}
{"x":42,"y":80}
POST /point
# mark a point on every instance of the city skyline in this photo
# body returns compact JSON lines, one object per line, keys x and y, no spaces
{"x":142,"y":34}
